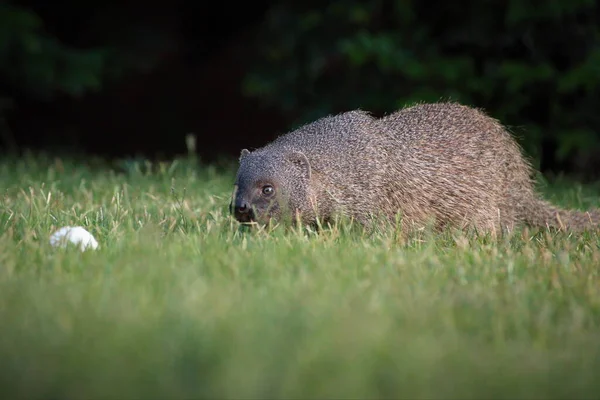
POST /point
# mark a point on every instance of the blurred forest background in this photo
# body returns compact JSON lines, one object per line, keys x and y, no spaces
{"x":133,"y":78}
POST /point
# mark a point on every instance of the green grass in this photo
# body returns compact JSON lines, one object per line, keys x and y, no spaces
{"x":179,"y":302}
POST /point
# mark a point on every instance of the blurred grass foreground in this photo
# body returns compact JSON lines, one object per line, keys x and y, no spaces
{"x":179,"y":302}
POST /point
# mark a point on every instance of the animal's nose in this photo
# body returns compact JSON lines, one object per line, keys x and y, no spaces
{"x":242,"y":208}
{"x":243,"y":212}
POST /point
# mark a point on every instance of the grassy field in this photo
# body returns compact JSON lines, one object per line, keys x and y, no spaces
{"x":179,"y":302}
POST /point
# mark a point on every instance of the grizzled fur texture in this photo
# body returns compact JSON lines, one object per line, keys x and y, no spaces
{"x":441,"y":163}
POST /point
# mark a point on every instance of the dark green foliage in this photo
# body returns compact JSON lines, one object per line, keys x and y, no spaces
{"x":533,"y":66}
{"x":52,"y":52}
{"x":40,"y":65}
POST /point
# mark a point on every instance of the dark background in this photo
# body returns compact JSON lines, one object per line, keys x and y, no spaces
{"x":132,"y":78}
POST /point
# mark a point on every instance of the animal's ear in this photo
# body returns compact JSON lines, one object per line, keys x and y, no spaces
{"x":244,"y":153}
{"x":299,"y":159}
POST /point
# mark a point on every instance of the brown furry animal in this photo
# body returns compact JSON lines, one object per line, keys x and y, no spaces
{"x":444,"y":163}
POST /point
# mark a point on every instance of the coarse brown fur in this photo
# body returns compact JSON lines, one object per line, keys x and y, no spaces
{"x":442,"y":163}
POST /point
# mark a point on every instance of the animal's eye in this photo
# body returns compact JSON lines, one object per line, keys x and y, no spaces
{"x":267,"y":190}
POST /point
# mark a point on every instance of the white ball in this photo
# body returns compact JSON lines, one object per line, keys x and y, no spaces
{"x":76,"y":235}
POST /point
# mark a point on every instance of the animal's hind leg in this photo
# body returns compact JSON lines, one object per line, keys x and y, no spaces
{"x":485,"y":224}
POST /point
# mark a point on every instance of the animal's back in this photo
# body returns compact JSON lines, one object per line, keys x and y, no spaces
{"x":456,"y":164}
{"x":332,"y":141}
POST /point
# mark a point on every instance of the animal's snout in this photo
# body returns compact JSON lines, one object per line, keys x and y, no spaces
{"x":242,"y":208}
{"x":242,"y":211}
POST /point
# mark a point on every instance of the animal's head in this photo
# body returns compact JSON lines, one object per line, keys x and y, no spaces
{"x":270,"y":185}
